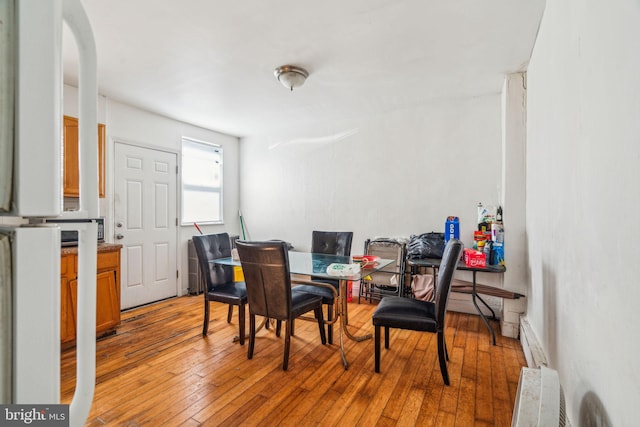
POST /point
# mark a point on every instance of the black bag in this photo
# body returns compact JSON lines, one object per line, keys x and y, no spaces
{"x":426,"y":245}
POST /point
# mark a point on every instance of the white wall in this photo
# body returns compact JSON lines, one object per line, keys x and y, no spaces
{"x":395,"y":177}
{"x":402,"y":173}
{"x":583,"y":204}
{"x":127,"y":124}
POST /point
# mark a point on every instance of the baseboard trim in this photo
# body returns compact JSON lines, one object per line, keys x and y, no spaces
{"x":463,"y":303}
{"x":533,"y":351}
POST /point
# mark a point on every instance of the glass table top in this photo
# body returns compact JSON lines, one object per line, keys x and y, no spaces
{"x":311,"y":264}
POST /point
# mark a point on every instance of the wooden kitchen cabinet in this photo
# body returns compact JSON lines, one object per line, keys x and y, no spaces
{"x":71,"y":178}
{"x":107,"y":292}
{"x":67,"y":320}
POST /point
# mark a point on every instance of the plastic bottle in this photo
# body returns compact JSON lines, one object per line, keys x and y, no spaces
{"x":497,"y":229}
{"x":488,"y":246}
{"x":451,"y":228}
{"x":480,"y":212}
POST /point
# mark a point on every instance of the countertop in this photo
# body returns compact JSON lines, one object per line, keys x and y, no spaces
{"x":102,"y":247}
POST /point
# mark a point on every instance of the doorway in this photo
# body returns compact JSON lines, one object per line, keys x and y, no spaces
{"x":145,"y":214}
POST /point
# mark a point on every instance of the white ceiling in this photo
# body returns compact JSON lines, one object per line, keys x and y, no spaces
{"x":211,"y":62}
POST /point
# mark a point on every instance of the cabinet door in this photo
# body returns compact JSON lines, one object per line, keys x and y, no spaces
{"x":107,"y":295}
{"x":73,"y":303}
{"x":108,"y":307}
{"x":68,"y":288}
{"x":67,"y":311}
{"x":71,"y":177}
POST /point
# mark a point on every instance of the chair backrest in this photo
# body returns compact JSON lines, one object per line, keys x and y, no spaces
{"x":331,"y":242}
{"x":210,"y":247}
{"x":392,"y":274}
{"x":265,"y":266}
{"x":450,"y":259}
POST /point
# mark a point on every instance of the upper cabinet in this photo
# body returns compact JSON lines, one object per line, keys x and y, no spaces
{"x":71,"y":179}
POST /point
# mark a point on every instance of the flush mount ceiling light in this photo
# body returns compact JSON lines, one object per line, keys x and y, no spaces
{"x":291,"y":76}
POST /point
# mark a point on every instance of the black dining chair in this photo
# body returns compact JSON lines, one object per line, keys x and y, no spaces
{"x":330,"y":243}
{"x":417,"y":315}
{"x":267,"y":275}
{"x":220,"y":286}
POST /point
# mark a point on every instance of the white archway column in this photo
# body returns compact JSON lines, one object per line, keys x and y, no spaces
{"x":514,"y":98}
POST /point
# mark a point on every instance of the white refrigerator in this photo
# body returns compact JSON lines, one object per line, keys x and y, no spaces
{"x":31,"y":192}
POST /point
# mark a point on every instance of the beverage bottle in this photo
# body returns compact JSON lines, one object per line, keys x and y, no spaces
{"x":488,"y":252}
{"x":451,"y":228}
{"x":480,"y":212}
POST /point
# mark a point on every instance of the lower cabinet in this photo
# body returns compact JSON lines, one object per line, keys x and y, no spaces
{"x":107,"y":293}
{"x":67,"y":312}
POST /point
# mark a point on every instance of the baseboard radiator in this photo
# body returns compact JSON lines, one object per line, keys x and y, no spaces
{"x":196,"y":282}
{"x":540,"y":399}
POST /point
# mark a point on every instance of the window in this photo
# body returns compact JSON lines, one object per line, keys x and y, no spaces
{"x":201,"y":182}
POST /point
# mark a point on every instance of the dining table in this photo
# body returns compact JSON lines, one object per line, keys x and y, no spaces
{"x":306,"y":267}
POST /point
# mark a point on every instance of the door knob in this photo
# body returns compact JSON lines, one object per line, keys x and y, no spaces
{"x":119,"y":236}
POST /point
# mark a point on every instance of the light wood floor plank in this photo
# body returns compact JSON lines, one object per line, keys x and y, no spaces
{"x":484,"y":389}
{"x":158,"y":370}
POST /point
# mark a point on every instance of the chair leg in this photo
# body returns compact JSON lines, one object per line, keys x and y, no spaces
{"x":241,"y":322}
{"x":386,"y":337}
{"x":279,"y":327}
{"x":376,"y":345}
{"x":287,"y":345}
{"x":446,"y":352}
{"x":205,"y":326}
{"x":441,"y":357}
{"x":252,"y":335}
{"x":230,"y":313}
{"x":293,"y":327}
{"x":320,"y":319}
{"x":330,"y":325}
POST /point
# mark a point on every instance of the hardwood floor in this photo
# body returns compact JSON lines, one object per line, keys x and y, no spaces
{"x":158,"y":370}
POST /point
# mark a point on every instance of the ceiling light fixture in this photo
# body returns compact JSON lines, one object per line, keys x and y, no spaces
{"x":291,"y":76}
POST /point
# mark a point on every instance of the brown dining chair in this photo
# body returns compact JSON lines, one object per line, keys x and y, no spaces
{"x":418,"y":315}
{"x":220,"y":286}
{"x":330,"y":243}
{"x":267,"y":275}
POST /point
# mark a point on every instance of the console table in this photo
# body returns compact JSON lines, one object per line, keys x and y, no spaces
{"x":475,"y":289}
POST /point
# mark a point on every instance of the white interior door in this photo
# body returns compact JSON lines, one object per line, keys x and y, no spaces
{"x":146,"y":223}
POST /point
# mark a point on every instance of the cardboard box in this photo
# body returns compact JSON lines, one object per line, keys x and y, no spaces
{"x":473,"y":258}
